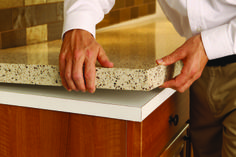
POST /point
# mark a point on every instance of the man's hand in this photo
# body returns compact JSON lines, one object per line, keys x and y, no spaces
{"x":194,"y":57}
{"x":79,"y":53}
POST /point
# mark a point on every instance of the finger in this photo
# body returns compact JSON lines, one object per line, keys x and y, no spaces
{"x":68,"y":75}
{"x":185,"y":86}
{"x":180,"y":88}
{"x":90,"y":74}
{"x":77,"y":73}
{"x":172,"y":58}
{"x":173,"y":83}
{"x":62,"y":62}
{"x":178,"y":81}
{"x":90,"y":71}
{"x":182,"y":81}
{"x":62,"y":70}
{"x":103,"y":59}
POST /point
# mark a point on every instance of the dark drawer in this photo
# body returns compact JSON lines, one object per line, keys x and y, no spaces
{"x":164,"y":124}
{"x":179,"y":146}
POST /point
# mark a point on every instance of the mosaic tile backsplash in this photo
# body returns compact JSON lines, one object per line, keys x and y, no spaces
{"x":25,"y":22}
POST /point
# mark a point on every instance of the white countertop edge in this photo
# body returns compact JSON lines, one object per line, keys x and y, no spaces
{"x":148,"y":108}
{"x":27,"y":96}
{"x":78,"y":107}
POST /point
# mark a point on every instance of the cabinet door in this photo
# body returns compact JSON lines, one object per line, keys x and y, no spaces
{"x":91,"y":136}
{"x":27,"y":132}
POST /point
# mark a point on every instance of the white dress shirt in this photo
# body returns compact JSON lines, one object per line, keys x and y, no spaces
{"x":214,"y":19}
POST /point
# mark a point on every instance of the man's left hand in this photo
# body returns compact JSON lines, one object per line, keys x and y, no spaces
{"x":194,"y":58}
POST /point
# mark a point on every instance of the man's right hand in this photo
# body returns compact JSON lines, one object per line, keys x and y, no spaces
{"x":78,"y":56}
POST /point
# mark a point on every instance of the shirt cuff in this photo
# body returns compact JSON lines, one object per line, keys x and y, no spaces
{"x":217,"y":42}
{"x":80,"y":21}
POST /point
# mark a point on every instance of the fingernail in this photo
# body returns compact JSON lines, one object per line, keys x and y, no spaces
{"x":112,"y":64}
{"x":160,"y":61}
{"x":91,"y":91}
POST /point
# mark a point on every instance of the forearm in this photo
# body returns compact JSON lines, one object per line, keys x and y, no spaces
{"x":81,"y":14}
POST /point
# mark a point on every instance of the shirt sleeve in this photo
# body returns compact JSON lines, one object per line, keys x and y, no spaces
{"x":220,"y":41}
{"x":85,"y":14}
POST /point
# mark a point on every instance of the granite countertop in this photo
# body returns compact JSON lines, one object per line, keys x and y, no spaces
{"x":133,"y":48}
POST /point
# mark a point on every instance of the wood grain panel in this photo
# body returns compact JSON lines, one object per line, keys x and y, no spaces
{"x":91,"y":136}
{"x":157,"y":132}
{"x":29,"y":132}
{"x":134,"y":139}
{"x":150,"y":137}
{"x":53,"y":133}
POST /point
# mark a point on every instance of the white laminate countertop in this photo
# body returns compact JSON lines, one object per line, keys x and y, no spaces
{"x":124,"y":105}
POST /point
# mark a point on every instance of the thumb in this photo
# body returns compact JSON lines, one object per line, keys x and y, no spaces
{"x":103,"y":59}
{"x":170,"y":59}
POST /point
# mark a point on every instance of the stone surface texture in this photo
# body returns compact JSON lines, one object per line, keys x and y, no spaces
{"x":133,"y":49}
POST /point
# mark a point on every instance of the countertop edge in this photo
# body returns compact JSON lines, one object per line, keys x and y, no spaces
{"x":108,"y":110}
{"x":148,"y":108}
{"x":77,"y":107}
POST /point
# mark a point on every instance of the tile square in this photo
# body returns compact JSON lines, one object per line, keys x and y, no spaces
{"x":22,"y":18}
{"x":60,"y":11}
{"x":54,"y":30}
{"x":46,"y":13}
{"x":149,"y":1}
{"x":143,"y":10}
{"x":119,"y":4}
{"x":125,"y":14}
{"x":151,"y":8}
{"x":114,"y":17}
{"x":6,"y":19}
{"x":13,"y":38}
{"x":34,"y":2}
{"x":139,"y":2}
{"x":53,"y":1}
{"x":11,"y":3}
{"x":36,"y":34}
{"x":129,"y":3}
{"x":134,"y":12}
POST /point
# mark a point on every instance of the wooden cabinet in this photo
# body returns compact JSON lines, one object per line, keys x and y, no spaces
{"x":27,"y":132}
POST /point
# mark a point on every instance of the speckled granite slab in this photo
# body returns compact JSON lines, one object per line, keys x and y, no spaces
{"x":133,"y":49}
